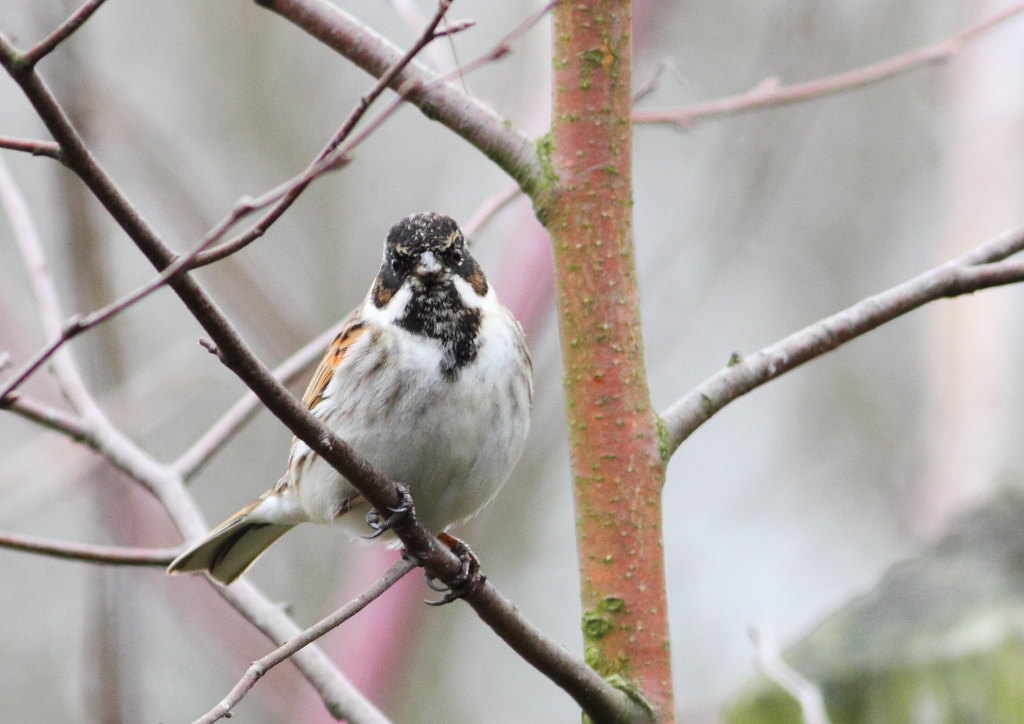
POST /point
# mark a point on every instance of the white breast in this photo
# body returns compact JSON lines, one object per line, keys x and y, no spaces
{"x":453,"y":441}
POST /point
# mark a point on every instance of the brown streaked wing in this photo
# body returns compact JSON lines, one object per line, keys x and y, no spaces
{"x":336,"y":353}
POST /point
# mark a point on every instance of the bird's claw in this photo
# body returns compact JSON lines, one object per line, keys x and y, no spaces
{"x":469,"y":578}
{"x":397,"y":516}
{"x":433,"y":583}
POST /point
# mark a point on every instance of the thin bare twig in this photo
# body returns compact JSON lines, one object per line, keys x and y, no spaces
{"x":504,"y":46}
{"x":110,"y":555}
{"x":455,"y":59}
{"x":770,"y":93}
{"x":770,"y":663}
{"x":986,"y":266}
{"x":414,"y":19}
{"x":342,"y":699}
{"x":63,"y":31}
{"x":29,"y":145}
{"x":311,"y":634}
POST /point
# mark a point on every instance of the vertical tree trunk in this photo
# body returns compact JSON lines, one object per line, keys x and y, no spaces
{"x":617,"y":457}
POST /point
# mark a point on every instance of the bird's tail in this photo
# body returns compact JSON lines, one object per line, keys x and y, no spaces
{"x":230,"y":548}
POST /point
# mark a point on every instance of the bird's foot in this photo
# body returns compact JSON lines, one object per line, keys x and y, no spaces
{"x":469,"y":578}
{"x":397,"y":516}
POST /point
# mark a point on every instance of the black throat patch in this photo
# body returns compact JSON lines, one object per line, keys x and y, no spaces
{"x":436,"y":311}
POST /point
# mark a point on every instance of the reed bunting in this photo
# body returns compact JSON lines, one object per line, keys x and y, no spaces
{"x":429,"y":380}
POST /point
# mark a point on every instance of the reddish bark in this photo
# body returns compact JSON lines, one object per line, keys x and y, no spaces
{"x":617,"y":456}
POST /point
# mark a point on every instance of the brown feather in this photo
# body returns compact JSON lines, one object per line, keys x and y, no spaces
{"x":336,"y":353}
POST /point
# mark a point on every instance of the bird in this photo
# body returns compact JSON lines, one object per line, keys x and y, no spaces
{"x":429,"y":379}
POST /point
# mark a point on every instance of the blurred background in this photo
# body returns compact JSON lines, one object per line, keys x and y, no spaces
{"x":784,"y":506}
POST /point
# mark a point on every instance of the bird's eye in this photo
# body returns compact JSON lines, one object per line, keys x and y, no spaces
{"x":396,"y":264}
{"x":455,"y":255}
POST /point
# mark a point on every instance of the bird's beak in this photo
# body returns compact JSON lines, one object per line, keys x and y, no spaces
{"x":429,"y":265}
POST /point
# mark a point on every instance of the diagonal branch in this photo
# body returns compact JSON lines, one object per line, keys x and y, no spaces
{"x":988,"y":265}
{"x":769,"y":93}
{"x":342,"y":699}
{"x":311,"y":634}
